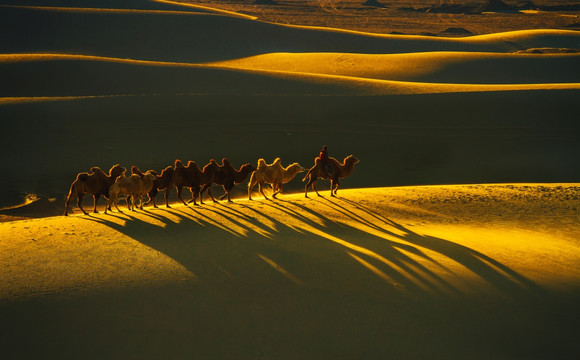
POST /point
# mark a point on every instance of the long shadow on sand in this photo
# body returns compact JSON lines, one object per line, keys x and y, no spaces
{"x":295,"y":244}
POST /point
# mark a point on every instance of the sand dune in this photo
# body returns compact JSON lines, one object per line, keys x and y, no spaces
{"x":184,"y":37}
{"x":372,"y":266}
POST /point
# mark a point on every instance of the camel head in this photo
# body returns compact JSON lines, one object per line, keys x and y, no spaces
{"x":247,"y":167}
{"x":116,"y":170}
{"x":351,"y":159}
{"x":211,"y":166}
{"x":296,"y":167}
{"x":150,"y":174}
{"x":168,"y":171}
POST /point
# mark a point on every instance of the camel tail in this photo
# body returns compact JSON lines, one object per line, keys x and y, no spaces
{"x":252,"y":177}
{"x":307,"y":175}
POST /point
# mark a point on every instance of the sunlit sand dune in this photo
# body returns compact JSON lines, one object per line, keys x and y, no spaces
{"x":53,"y":75}
{"x":195,"y":37}
{"x":472,"y":263}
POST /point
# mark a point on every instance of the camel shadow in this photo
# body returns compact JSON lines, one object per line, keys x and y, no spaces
{"x":266,"y":239}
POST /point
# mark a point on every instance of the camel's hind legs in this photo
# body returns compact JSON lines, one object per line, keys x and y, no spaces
{"x":95,"y":199}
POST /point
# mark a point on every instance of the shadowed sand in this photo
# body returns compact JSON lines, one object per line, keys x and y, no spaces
{"x":455,"y":267}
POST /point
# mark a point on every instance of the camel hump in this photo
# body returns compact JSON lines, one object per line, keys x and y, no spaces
{"x":82,"y":176}
{"x":135,"y":170}
{"x":277,"y":161}
{"x":95,"y":169}
{"x":225,"y":161}
{"x":261,"y":163}
{"x":178,"y":163}
{"x":212,"y":161}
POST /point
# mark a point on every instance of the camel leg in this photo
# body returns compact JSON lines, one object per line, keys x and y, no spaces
{"x":336,"y":188}
{"x":227,"y":188}
{"x":262,"y":190}
{"x":140,"y":202}
{"x":80,"y":203}
{"x":196,"y":192}
{"x":250,"y":187}
{"x":315,"y":189}
{"x":66,"y":204}
{"x":95,"y":199}
{"x":179,"y":189}
{"x":115,"y":200}
{"x":210,"y":194}
{"x":167,"y":197}
{"x":277,"y":189}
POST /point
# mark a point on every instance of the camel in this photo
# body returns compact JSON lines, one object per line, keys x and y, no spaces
{"x":133,"y":186}
{"x":96,"y":183}
{"x":228,"y":176}
{"x":192,"y":177}
{"x":161,"y":182}
{"x":340,"y":171}
{"x":274,"y":174}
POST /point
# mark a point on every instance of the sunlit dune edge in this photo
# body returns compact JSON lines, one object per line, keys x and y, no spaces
{"x":203,"y":37}
{"x":180,"y":9}
{"x":313,"y":73}
{"x":528,"y":232}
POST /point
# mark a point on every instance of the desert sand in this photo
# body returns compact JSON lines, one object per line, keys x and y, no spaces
{"x":402,"y":264}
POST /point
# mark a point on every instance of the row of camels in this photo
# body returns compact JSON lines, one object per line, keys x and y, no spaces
{"x":98,"y":183}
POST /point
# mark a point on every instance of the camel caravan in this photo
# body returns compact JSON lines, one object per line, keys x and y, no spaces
{"x":199,"y":180}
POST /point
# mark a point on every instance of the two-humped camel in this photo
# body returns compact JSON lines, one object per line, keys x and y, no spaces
{"x":228,"y":176}
{"x":134,"y":187}
{"x":339,"y":171}
{"x":274,"y":174}
{"x":192,"y":177}
{"x":96,"y":183}
{"x":161,"y":182}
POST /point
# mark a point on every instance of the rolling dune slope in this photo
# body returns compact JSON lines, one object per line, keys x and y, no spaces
{"x":374,"y":267}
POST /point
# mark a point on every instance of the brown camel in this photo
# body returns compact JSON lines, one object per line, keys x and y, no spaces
{"x":274,"y":174}
{"x":192,"y":177}
{"x":133,"y":186}
{"x":96,"y":183}
{"x":340,"y":171}
{"x":228,"y":176}
{"x":161,"y":182}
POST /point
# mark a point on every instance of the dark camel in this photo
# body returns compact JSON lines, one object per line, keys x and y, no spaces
{"x":340,"y":171}
{"x":96,"y":183}
{"x":228,"y":176}
{"x":192,"y":177}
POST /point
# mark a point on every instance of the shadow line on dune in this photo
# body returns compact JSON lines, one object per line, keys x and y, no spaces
{"x":310,"y":246}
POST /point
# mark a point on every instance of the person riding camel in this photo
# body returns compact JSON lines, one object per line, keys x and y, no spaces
{"x":326,"y":165}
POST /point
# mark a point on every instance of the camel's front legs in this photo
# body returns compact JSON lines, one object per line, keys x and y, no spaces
{"x":179,"y":190}
{"x":80,"y":204}
{"x":276,"y":188}
{"x":167,"y":196}
{"x":210,"y":194}
{"x":227,"y":189}
{"x":262,"y":190}
{"x":334,"y":187}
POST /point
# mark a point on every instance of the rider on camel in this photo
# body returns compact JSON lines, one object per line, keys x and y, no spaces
{"x":326,"y":165}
